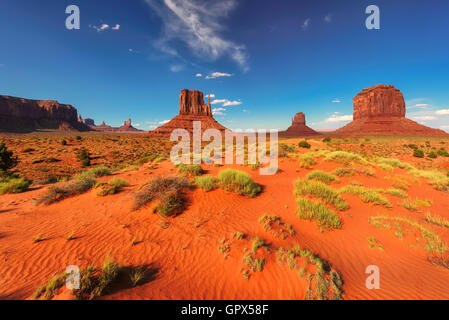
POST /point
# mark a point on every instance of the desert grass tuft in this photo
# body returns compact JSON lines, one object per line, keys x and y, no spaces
{"x":239,"y":182}
{"x":320,"y":190}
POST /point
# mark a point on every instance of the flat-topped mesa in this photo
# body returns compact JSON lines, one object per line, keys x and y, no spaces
{"x":298,"y":128}
{"x":191,"y":102}
{"x":380,"y":110}
{"x":379,"y":101}
{"x":24,"y":115}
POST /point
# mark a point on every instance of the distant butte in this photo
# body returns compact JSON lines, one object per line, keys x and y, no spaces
{"x":191,"y":108}
{"x":298,"y":128}
{"x":380,"y":110}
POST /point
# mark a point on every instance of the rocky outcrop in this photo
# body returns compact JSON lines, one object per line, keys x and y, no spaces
{"x":127,"y":127}
{"x":191,"y":108}
{"x":298,"y":128}
{"x":379,"y":101}
{"x":191,"y":102}
{"x":26,"y":115}
{"x":87,"y":121}
{"x":380,"y":110}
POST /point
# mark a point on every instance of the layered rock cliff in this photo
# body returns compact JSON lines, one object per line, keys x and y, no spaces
{"x":26,"y":115}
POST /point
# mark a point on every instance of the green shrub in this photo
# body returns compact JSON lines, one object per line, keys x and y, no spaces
{"x":84,"y":156}
{"x":239,"y":182}
{"x":95,"y":172}
{"x":304,"y":144}
{"x":307,"y":161}
{"x":344,"y":157}
{"x":64,"y":142}
{"x":327,"y":139}
{"x":443,"y":153}
{"x":14,"y":185}
{"x":344,"y":172}
{"x":320,"y":190}
{"x":311,"y":210}
{"x":418,"y":153}
{"x":322,"y":176}
{"x":433,"y":155}
{"x":207,"y":183}
{"x":190,"y":169}
{"x":7,"y":159}
{"x":113,"y":186}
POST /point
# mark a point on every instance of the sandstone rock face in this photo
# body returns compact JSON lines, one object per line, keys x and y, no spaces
{"x":380,"y":110}
{"x":379,"y":101}
{"x":298,"y":128}
{"x":192,"y":103}
{"x":24,"y":115}
{"x":191,"y":108}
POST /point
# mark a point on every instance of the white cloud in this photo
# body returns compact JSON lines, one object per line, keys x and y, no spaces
{"x":218,"y":111}
{"x":419,"y":105}
{"x":176,"y":67}
{"x":424,"y":118}
{"x":336,"y":101}
{"x":444,"y":127}
{"x":117,"y":27}
{"x":198,"y":75}
{"x":218,"y":101}
{"x":328,"y":18}
{"x":211,"y":95}
{"x":306,"y":24}
{"x":226,"y":102}
{"x":198,"y":25}
{"x":231,"y":103}
{"x":216,"y":75}
{"x":164,"y":122}
{"x":104,"y":27}
{"x":335,"y":118}
{"x":442,"y":112}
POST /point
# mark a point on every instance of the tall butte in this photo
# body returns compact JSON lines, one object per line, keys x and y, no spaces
{"x":380,"y":110}
{"x":298,"y":128}
{"x":191,"y":108}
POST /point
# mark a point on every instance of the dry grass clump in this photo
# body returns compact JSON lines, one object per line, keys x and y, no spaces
{"x":437,"y":220}
{"x":397,"y":193}
{"x":367,"y":195}
{"x":311,"y":210}
{"x":433,"y":243}
{"x":55,"y":194}
{"x":307,"y":161}
{"x":113,"y":186}
{"x":274,"y":225}
{"x":239,"y":182}
{"x":323,"y":284}
{"x":320,"y":190}
{"x":344,"y":172}
{"x":168,"y":190}
{"x":322,"y":176}
{"x":344,"y":157}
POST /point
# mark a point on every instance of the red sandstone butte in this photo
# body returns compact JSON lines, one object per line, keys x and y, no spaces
{"x":127,"y":127}
{"x":380,"y":110}
{"x":191,"y":108}
{"x":26,"y":115}
{"x":298,"y":128}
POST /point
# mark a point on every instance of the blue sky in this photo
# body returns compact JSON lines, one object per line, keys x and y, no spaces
{"x":263,"y":61}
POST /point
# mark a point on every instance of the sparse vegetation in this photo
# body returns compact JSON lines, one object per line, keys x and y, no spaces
{"x":206,"y":182}
{"x":322,"y":176}
{"x":167,"y":190}
{"x":304,"y":144}
{"x":192,"y":170}
{"x":320,"y":190}
{"x":239,"y":182}
{"x":312,"y":210}
{"x":84,"y":157}
{"x":367,"y":195}
{"x":13,"y":185}
{"x":7,"y":159}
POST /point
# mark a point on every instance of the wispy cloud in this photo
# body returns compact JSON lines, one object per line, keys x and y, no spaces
{"x":117,"y":27}
{"x":198,"y":75}
{"x":218,"y":111}
{"x":227,"y":103}
{"x":306,"y":24}
{"x":442,"y":112}
{"x":424,"y":118}
{"x":337,"y":118}
{"x":336,"y":101}
{"x":177,"y":67}
{"x":328,"y":18}
{"x":198,"y":25}
{"x":163,"y":122}
{"x":216,"y":75}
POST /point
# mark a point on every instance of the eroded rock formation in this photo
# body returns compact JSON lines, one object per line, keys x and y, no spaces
{"x":126,"y":127}
{"x":298,"y":128}
{"x":26,"y":115}
{"x":380,"y":110}
{"x":191,"y":108}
